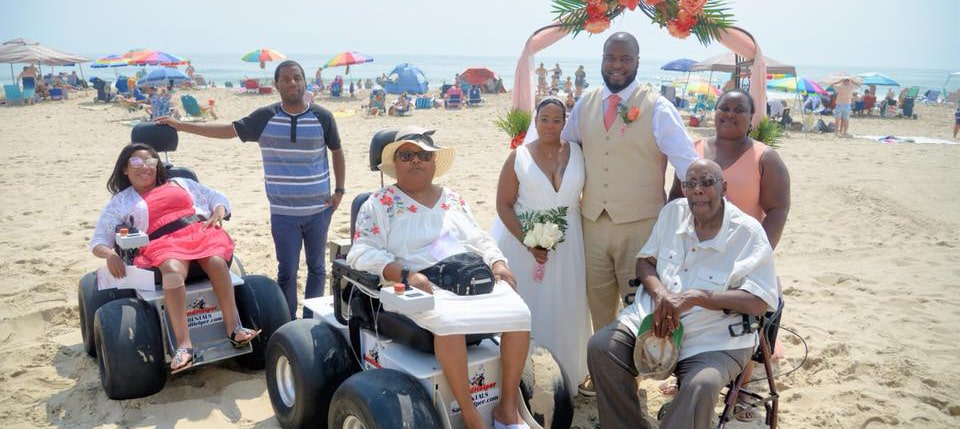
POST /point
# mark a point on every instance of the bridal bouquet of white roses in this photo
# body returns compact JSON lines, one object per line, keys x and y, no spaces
{"x":543,"y":229}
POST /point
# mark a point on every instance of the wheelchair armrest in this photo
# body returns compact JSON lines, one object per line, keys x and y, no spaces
{"x":370,"y":280}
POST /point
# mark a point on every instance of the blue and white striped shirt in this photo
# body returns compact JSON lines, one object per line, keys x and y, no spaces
{"x":294,"y":149}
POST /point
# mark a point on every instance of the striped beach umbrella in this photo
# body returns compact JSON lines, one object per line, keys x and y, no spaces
{"x":262,"y":56}
{"x":111,"y":61}
{"x":801,"y":85}
{"x":154,"y":58}
{"x":348,"y":58}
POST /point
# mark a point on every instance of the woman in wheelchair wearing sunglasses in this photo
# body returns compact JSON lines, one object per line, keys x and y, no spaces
{"x":412,"y":225}
{"x":172,"y":213}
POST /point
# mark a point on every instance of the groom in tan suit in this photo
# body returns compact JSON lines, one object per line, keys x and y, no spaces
{"x":628,"y":133}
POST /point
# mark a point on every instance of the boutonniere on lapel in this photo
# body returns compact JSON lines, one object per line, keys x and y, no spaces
{"x":628,"y":115}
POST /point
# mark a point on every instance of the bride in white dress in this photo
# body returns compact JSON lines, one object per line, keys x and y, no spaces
{"x":541,"y":175}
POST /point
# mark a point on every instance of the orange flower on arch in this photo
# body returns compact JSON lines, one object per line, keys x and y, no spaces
{"x":597,"y":25}
{"x":630,"y":4}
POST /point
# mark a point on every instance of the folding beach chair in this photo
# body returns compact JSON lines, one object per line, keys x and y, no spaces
{"x":192,"y":108}
{"x":932,"y":96}
{"x":423,"y":102}
{"x":453,"y":101}
{"x":13,"y":94}
{"x":56,"y":94}
{"x":474,"y":99}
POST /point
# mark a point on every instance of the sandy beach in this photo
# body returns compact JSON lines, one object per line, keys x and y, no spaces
{"x":869,"y":262}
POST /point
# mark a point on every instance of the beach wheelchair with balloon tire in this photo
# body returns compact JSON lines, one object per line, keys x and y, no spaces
{"x":127,"y":331}
{"x":360,"y":364}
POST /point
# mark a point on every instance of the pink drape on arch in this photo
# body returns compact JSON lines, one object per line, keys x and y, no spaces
{"x":522,"y":86}
{"x":738,"y":41}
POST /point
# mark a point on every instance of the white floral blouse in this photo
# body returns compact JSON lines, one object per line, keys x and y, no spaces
{"x":391,"y":226}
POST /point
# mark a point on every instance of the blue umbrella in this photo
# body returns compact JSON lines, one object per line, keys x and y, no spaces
{"x":878,"y":79}
{"x":162,"y":76}
{"x":683,"y":65}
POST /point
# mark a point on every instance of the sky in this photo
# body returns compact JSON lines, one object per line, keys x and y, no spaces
{"x":923,"y":34}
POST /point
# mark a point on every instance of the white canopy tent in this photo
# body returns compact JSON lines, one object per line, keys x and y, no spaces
{"x":23,"y":51}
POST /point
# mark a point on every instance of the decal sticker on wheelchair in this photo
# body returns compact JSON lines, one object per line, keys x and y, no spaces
{"x":199,"y":314}
{"x":482,"y":391}
{"x":372,"y":357}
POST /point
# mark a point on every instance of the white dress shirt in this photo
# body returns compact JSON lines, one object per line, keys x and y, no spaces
{"x":738,"y":257}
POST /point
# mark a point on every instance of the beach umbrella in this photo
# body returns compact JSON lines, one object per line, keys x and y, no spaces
{"x":697,"y":85}
{"x":802,"y":85}
{"x":163,"y":76}
{"x":833,"y":78}
{"x":878,"y":79}
{"x":477,"y":75}
{"x":154,"y":58}
{"x":262,"y":56}
{"x":111,"y":61}
{"x":681,"y":65}
{"x":348,"y":58}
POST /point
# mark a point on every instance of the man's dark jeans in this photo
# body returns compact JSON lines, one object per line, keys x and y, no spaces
{"x":290,"y":234}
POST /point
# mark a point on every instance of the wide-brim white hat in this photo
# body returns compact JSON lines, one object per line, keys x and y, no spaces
{"x":422,"y":137}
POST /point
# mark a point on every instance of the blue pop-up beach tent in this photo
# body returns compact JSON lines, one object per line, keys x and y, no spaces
{"x":405,"y":77}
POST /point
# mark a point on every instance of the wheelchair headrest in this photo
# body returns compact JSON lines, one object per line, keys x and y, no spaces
{"x":162,"y":138}
{"x":380,"y":140}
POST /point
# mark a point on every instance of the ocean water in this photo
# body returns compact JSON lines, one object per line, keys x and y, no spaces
{"x":438,"y":69}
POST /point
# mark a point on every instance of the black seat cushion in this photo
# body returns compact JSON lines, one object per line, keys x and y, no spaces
{"x":194,"y":274}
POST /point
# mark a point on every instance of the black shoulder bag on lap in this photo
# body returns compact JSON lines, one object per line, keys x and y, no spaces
{"x":462,"y":274}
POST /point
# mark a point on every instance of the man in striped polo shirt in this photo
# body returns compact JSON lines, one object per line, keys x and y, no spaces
{"x":294,"y":139}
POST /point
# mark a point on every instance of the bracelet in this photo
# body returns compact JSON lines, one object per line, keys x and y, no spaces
{"x":339,"y":191}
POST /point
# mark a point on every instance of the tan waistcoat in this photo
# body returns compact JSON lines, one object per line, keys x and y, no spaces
{"x":624,"y":167}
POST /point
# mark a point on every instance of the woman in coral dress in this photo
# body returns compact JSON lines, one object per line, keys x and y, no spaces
{"x":172,"y":213}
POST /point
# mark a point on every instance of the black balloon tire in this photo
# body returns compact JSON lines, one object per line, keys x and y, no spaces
{"x":129,"y":349}
{"x":261,"y":305}
{"x":373,"y":397}
{"x":89,"y":300}
{"x":561,"y":414}
{"x":319,"y":359}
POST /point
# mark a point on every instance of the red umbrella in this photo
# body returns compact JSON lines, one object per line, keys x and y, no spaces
{"x":477,"y":75}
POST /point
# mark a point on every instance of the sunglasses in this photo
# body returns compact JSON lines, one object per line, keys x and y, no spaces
{"x":408,"y":155}
{"x":137,"y":162}
{"x":704,"y":183}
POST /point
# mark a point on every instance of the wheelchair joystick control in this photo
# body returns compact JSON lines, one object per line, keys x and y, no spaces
{"x":406,"y":300}
{"x":127,"y":239}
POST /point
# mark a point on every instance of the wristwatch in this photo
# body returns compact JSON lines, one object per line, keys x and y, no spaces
{"x":404,"y":274}
{"x":339,"y":191}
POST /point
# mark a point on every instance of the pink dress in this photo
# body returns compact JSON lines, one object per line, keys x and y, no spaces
{"x":166,"y":204}
{"x":743,"y":179}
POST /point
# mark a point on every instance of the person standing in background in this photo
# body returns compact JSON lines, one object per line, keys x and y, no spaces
{"x":294,"y":139}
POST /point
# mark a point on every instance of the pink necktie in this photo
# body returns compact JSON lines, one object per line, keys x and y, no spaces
{"x":613,"y":107}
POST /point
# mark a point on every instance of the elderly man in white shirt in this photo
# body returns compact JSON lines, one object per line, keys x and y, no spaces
{"x":703,"y":257}
{"x":628,"y":133}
